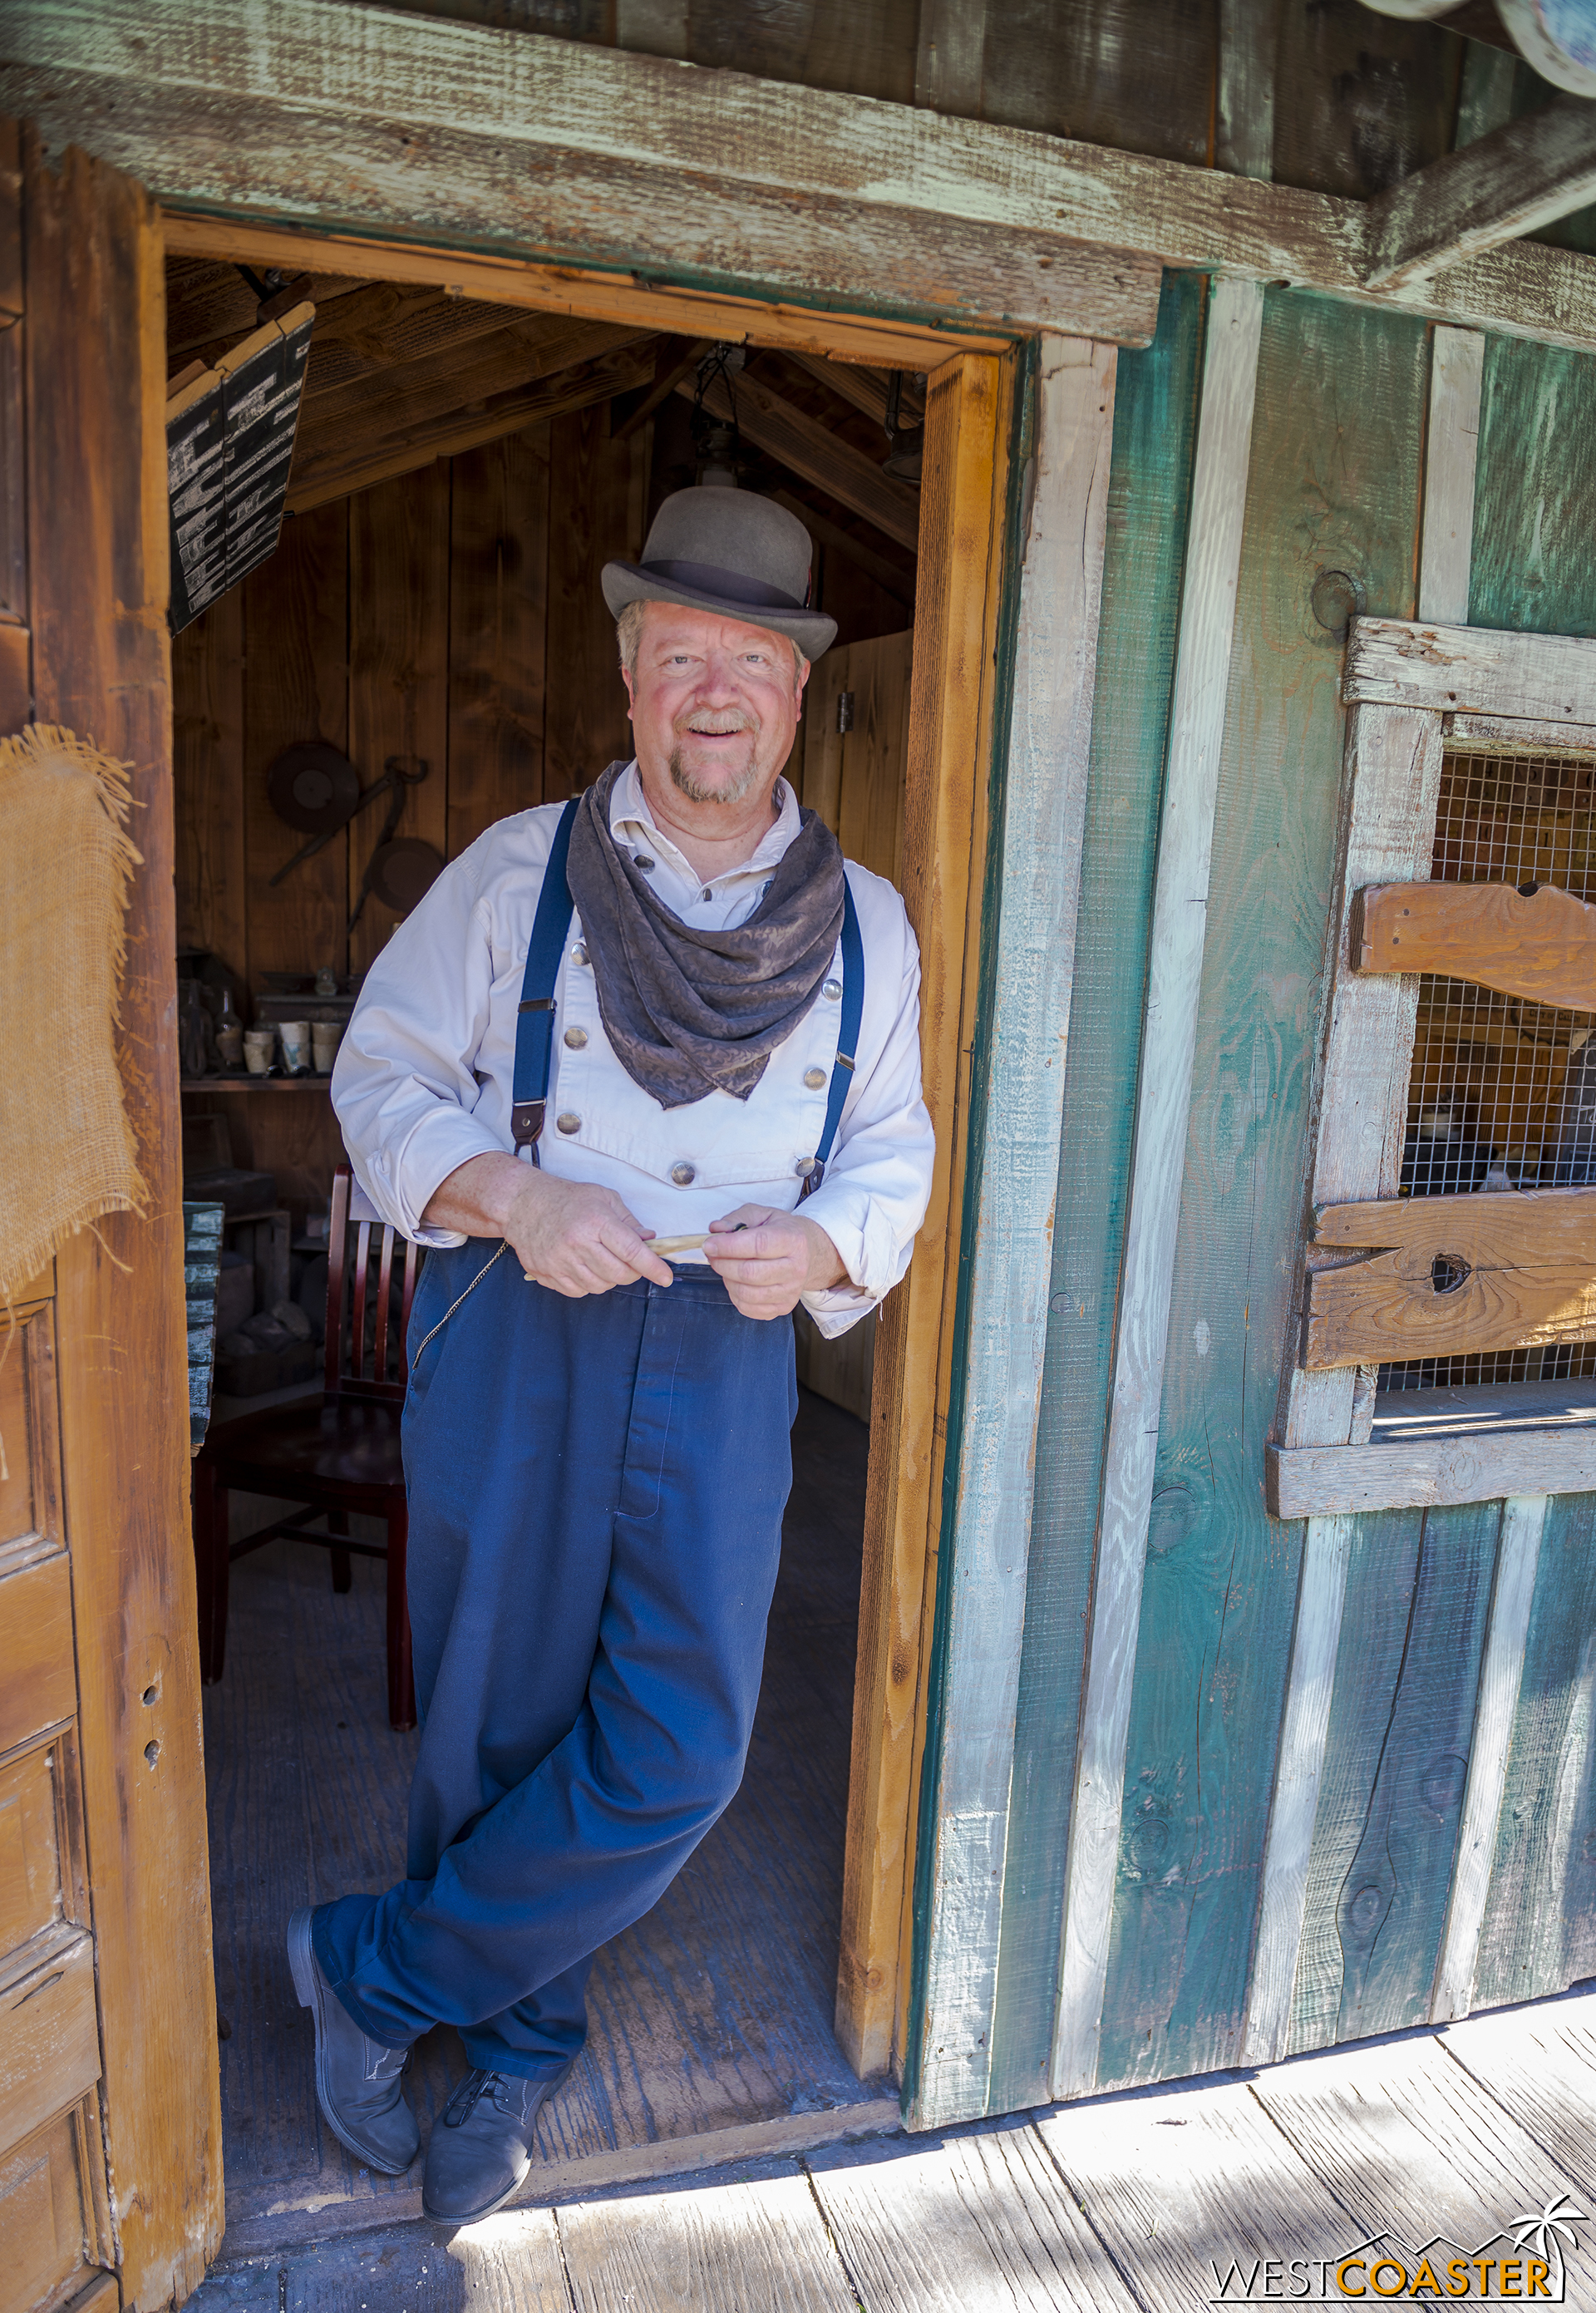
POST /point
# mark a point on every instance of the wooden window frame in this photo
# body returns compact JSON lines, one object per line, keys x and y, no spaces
{"x":1413,"y":687}
{"x":956,"y":681}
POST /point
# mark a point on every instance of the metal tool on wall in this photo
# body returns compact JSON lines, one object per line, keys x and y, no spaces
{"x":315,"y":787}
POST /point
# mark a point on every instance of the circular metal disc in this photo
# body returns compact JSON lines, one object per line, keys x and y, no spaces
{"x":404,"y":872}
{"x":314,"y":786}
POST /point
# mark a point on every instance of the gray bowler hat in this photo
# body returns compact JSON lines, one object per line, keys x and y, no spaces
{"x":727,"y":551}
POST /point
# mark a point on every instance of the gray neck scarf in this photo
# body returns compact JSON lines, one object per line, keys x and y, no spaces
{"x":693,"y":1012}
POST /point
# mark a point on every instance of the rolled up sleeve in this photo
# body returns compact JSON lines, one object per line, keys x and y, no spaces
{"x":404,"y":1085}
{"x":878,"y":1181}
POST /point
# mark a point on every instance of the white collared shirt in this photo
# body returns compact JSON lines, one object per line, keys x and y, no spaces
{"x":424,"y":1071}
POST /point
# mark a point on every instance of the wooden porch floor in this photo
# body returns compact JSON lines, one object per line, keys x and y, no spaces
{"x":1124,"y":2202}
{"x":711,"y":2021}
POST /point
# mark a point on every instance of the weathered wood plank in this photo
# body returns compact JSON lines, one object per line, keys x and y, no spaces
{"x":1408,"y":2142}
{"x":1532,"y":566}
{"x":950,"y":54}
{"x":1220,"y":1584}
{"x":550,"y":287}
{"x":97,"y":575}
{"x":1294,"y":1806}
{"x":1244,"y":110}
{"x":208,"y":781}
{"x":1178,"y":2209}
{"x":296,"y":687}
{"x":1376,"y":1601}
{"x":1391,"y":1905}
{"x":498,"y":599}
{"x":1523,"y":1519}
{"x":945,"y":840}
{"x":1511,"y":182}
{"x":1197,"y":726}
{"x":1511,"y":735}
{"x":1540,"y":1926}
{"x":718,"y":2249}
{"x":1539,"y":943}
{"x":398,"y":672}
{"x":1155,"y":417}
{"x":1041,"y":817}
{"x":1316,"y":1480}
{"x":329,"y":130}
{"x":627,"y":161}
{"x":594,"y":517}
{"x":981,"y":2223}
{"x":1392,"y":784}
{"x":1446,"y":543}
{"x":1528,"y":1259}
{"x":1540,"y":2064}
{"x":1413,"y":663}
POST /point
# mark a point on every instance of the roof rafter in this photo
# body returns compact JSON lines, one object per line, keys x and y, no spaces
{"x":1522,"y":176}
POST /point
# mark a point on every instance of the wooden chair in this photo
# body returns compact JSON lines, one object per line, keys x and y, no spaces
{"x":335,"y":1453}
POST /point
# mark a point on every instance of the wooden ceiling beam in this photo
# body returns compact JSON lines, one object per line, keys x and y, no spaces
{"x":866,"y":389}
{"x":676,"y":358}
{"x":596,"y":177}
{"x":1513,"y":181}
{"x":414,"y":392}
{"x":329,"y":472}
{"x":887,"y":576}
{"x":801,"y":442}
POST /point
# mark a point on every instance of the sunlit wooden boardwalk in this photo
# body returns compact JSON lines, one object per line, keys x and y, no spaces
{"x":1162,"y":2200}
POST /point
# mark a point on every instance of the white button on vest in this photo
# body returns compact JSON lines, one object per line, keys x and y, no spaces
{"x":803,"y":1167}
{"x":568,"y":1124}
{"x":814,"y":1078}
{"x":831,"y":990}
{"x":684,"y":1175}
{"x":579,"y":953}
{"x":576,"y":1038}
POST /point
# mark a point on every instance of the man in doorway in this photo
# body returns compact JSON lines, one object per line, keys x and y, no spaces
{"x":722,"y":1028}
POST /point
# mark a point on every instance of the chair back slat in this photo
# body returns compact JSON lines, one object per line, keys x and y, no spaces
{"x":338,"y":1233}
{"x":363,"y":1256}
{"x":412,"y":1272}
{"x":349,"y":1263}
{"x":384,"y":1281}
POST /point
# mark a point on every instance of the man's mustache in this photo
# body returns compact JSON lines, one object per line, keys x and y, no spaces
{"x":716,"y":724}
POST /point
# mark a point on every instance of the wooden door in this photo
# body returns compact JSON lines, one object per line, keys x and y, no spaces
{"x":855,"y":759}
{"x":110,"y":2124}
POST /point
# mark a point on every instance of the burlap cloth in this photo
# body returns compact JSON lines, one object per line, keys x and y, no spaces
{"x":66,"y":1149}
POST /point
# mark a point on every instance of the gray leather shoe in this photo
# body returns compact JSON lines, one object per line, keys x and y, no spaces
{"x":359,"y":2083}
{"x":481,"y":2143}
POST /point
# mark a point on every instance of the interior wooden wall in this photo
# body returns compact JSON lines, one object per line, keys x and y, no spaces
{"x":454,"y":614}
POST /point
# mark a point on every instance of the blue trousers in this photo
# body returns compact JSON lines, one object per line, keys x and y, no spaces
{"x":596,"y":1491}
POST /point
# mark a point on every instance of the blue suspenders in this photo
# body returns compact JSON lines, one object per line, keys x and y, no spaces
{"x":847,"y":1040}
{"x":534,"y":1018}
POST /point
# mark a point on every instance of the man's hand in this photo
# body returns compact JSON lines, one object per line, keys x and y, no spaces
{"x":570,"y":1236}
{"x":770,"y":1260}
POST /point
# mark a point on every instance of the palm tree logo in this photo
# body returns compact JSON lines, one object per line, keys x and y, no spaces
{"x":1543,"y":2235}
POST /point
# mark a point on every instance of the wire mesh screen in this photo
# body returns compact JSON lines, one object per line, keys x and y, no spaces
{"x":1498,"y":1085}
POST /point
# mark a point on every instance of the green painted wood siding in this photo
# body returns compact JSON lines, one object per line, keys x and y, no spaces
{"x":1334,"y":486}
{"x":1535,"y":568}
{"x":1155,"y":416}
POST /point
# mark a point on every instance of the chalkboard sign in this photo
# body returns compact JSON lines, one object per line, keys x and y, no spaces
{"x":229,"y":443}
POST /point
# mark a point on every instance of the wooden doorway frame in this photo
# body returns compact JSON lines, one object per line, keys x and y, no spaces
{"x":963,"y":519}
